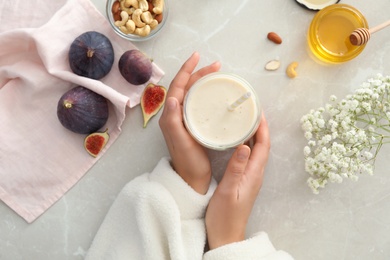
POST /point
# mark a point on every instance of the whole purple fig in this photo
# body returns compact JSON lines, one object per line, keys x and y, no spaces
{"x":135,"y":67}
{"x":91,"y":55}
{"x":82,"y":111}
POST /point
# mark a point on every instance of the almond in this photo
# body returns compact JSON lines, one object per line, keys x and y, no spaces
{"x":115,"y":7}
{"x":159,"y":18}
{"x":272,"y":65}
{"x":274,"y":37}
{"x":117,"y":16}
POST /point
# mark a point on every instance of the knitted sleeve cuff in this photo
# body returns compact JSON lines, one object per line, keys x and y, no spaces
{"x":191,"y":204}
{"x":257,"y":247}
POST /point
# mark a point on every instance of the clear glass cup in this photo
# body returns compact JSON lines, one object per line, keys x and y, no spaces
{"x":329,"y":31}
{"x":208,"y":118}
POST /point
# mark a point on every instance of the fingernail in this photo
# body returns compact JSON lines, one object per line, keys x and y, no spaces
{"x":171,"y":103}
{"x":195,"y":54}
{"x":242,"y":153}
{"x":216,"y":63}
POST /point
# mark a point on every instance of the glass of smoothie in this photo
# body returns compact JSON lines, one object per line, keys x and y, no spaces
{"x":329,"y":31}
{"x":221,"y":111}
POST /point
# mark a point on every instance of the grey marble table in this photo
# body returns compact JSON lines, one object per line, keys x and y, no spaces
{"x":346,"y":221}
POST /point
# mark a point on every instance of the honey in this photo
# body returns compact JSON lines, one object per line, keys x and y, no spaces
{"x":328,"y":35}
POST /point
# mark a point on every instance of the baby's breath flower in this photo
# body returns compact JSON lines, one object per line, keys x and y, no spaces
{"x":345,"y":137}
{"x":306,"y":150}
{"x":308,"y":135}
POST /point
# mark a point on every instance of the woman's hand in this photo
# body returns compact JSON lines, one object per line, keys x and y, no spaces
{"x":189,"y":159}
{"x":233,"y":200}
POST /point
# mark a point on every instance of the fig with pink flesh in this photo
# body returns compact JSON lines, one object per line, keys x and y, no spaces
{"x":91,"y":55}
{"x":95,"y":142}
{"x":152,"y":100}
{"x":135,"y":67}
{"x":82,"y":111}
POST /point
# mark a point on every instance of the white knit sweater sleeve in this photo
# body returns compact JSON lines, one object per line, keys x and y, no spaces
{"x":258,"y":247}
{"x":159,"y":216}
{"x":155,"y":216}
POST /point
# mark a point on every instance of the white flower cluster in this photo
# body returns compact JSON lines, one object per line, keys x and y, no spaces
{"x":345,"y":136}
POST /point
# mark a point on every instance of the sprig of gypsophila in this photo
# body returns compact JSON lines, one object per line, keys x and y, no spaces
{"x":345,"y":136}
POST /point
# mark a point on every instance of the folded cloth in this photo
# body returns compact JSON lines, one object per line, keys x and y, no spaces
{"x":40,"y":160}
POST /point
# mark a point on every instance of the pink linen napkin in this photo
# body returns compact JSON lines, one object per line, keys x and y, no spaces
{"x":40,"y":160}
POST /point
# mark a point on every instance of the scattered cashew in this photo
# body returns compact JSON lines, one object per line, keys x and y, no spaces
{"x":158,"y":6}
{"x":143,"y":5}
{"x":124,"y":18}
{"x":143,"y":31}
{"x":146,"y":17}
{"x":290,"y":71}
{"x":136,"y":17}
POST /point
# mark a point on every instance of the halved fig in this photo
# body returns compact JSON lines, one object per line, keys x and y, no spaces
{"x":95,"y":142}
{"x":316,"y":5}
{"x":152,"y":100}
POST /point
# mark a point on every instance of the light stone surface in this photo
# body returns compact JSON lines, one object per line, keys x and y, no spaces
{"x":345,"y":221}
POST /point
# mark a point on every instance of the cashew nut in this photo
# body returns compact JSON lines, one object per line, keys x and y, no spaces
{"x":143,"y":5}
{"x":123,"y":29}
{"x":126,"y":9}
{"x":143,"y":31}
{"x":124,"y":18}
{"x":146,"y":17}
{"x":290,"y":71}
{"x":153,"y":24}
{"x":158,"y":6}
{"x":136,"y":17}
{"x":130,"y":26}
{"x":131,"y":3}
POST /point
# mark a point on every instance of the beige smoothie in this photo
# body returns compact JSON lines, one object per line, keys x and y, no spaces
{"x":208,"y":114}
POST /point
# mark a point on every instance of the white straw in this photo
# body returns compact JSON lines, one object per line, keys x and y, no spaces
{"x":239,"y":101}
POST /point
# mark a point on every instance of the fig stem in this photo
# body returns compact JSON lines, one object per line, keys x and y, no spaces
{"x":67,"y":104}
{"x":90,"y":53}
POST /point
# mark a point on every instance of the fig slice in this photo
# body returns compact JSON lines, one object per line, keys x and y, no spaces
{"x":152,"y":99}
{"x":95,"y":142}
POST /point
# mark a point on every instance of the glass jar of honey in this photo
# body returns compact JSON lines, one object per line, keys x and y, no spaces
{"x":329,"y":31}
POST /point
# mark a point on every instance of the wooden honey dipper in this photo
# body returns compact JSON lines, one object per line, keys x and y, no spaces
{"x":361,"y":36}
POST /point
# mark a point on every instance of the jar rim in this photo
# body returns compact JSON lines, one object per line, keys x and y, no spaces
{"x":208,"y":143}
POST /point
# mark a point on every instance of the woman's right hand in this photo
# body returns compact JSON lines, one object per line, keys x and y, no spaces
{"x":230,"y":206}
